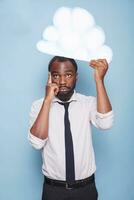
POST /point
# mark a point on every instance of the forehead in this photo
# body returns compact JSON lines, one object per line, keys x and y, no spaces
{"x":58,"y":66}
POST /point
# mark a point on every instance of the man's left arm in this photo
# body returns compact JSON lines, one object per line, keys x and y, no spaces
{"x":101,"y":114}
{"x":100,"y":69}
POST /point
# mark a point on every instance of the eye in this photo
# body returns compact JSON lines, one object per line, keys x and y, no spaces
{"x":68,"y":75}
{"x":55,"y":76}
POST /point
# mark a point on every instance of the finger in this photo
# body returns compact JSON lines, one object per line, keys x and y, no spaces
{"x":92,"y":63}
{"x":98,"y":63}
{"x":52,"y":85}
{"x":95,"y":64}
{"x":99,"y":60}
{"x":55,"y":88}
{"x":104,"y":61}
{"x":49,"y":81}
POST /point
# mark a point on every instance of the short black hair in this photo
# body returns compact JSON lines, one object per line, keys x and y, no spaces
{"x":62,"y":59}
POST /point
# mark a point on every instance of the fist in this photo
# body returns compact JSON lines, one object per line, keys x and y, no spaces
{"x":100,"y":67}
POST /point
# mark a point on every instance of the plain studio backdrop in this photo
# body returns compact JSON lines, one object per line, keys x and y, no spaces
{"x":23,"y":74}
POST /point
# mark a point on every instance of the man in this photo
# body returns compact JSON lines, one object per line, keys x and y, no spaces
{"x":60,"y":125}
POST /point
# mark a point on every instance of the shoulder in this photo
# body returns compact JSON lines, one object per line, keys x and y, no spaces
{"x":85,"y":98}
{"x":37,"y":103}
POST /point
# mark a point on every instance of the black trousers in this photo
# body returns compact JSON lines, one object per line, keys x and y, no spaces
{"x":88,"y":192}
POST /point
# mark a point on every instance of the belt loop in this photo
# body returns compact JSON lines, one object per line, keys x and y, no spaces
{"x":67,"y":186}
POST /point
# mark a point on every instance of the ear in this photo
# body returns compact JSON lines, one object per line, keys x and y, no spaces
{"x":76,"y":76}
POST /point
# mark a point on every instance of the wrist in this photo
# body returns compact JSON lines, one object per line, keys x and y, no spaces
{"x":99,"y":81}
{"x":47,"y":100}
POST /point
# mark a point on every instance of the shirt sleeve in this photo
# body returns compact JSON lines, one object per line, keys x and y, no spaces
{"x":102,"y":121}
{"x":36,"y":142}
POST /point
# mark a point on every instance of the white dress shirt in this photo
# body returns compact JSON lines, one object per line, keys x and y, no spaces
{"x":82,"y":112}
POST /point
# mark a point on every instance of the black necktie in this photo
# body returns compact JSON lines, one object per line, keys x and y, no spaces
{"x":70,"y":169}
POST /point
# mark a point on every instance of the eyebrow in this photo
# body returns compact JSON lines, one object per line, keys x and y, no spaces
{"x":69,"y":70}
{"x":56,"y":72}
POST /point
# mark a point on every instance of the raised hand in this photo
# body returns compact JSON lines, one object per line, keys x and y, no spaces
{"x":100,"y":66}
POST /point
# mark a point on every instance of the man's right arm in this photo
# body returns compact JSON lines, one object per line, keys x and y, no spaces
{"x":40,"y":126}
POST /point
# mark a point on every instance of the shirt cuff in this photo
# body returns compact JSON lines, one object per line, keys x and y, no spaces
{"x":36,"y":142}
{"x":104,"y":115}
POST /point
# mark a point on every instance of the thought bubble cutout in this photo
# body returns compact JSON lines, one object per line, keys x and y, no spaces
{"x":69,"y":37}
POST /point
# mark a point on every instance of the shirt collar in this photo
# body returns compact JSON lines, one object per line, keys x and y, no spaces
{"x":73,"y":98}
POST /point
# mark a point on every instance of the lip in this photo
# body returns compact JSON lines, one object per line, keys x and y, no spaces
{"x":63,"y":89}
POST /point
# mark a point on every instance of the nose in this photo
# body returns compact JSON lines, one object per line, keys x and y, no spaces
{"x":62,"y":80}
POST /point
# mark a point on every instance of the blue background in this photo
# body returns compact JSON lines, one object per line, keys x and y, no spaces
{"x":23,"y":74}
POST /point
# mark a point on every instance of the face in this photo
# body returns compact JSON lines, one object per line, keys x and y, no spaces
{"x":64,"y":75}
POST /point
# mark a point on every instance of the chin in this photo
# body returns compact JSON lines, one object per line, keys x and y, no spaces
{"x":64,"y":95}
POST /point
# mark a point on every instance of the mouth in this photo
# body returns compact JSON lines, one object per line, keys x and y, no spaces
{"x":63,"y":89}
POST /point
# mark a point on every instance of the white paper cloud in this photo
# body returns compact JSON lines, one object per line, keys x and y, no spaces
{"x":74,"y":34}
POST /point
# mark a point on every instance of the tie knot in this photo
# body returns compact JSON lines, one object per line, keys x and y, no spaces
{"x":66,"y":105}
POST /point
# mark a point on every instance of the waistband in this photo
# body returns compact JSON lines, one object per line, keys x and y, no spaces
{"x":75,"y":184}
